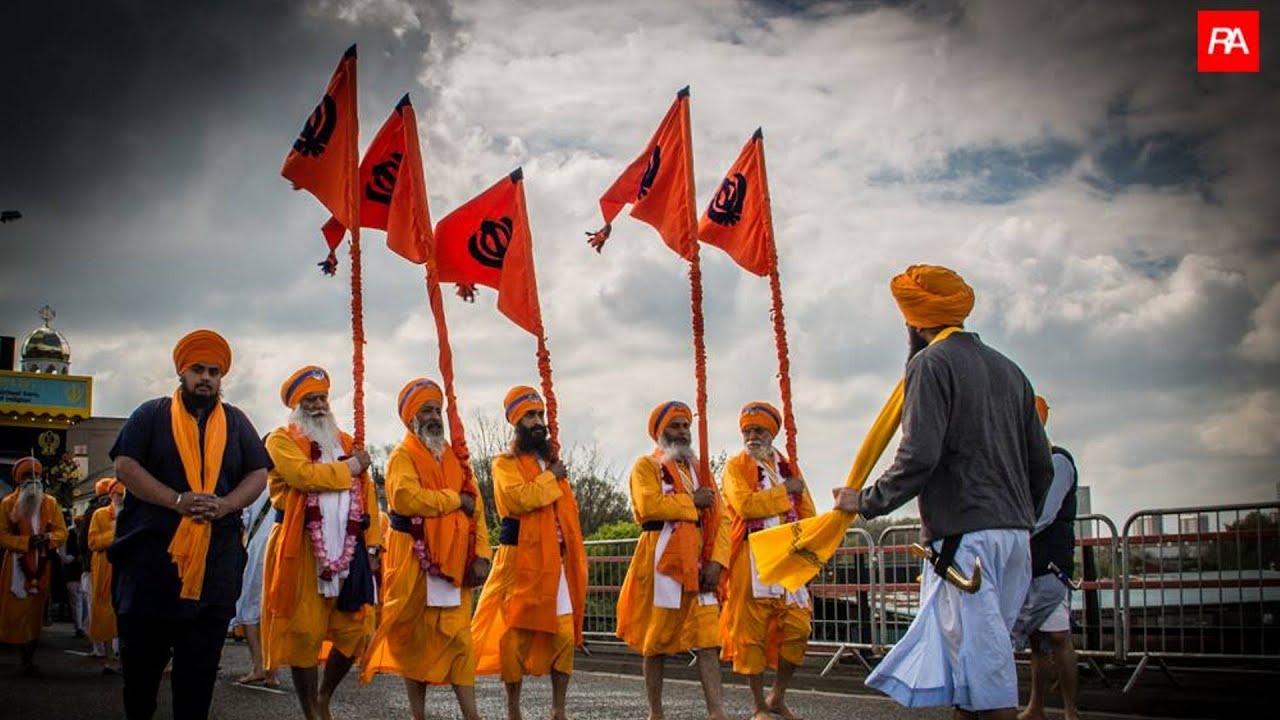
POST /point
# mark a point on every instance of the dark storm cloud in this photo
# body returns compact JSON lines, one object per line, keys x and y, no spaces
{"x":155,"y":132}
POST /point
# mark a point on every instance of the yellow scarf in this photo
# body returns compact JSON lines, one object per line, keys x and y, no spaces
{"x":190,"y":544}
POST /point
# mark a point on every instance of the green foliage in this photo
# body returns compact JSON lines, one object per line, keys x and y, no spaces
{"x":620,"y":530}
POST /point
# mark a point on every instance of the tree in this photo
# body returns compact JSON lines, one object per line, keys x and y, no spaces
{"x":379,"y":455}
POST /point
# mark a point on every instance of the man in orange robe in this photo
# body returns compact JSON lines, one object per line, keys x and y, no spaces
{"x":437,"y":551}
{"x":31,"y":528}
{"x":669,"y":604}
{"x":530,"y":615}
{"x":763,"y":625}
{"x":102,"y":615}
{"x":322,"y":550}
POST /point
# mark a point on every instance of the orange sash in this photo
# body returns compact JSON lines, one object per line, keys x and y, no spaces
{"x":190,"y":544}
{"x":448,"y":537}
{"x":282,"y":586}
{"x":531,"y":604}
{"x":680,"y":558}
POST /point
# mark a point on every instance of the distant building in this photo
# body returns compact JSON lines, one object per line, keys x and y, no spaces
{"x":47,"y":412}
{"x":1197,"y":524}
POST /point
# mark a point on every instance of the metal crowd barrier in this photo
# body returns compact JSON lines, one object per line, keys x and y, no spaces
{"x":844,"y":601}
{"x":1210,"y":590}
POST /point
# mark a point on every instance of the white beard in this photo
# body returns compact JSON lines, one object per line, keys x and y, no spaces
{"x":29,"y":499}
{"x":323,"y":429}
{"x":676,"y":452}
{"x":435,"y":442}
{"x":763,"y":453}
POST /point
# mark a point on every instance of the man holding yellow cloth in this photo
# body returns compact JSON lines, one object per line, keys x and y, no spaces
{"x":437,"y":551}
{"x":763,"y":625}
{"x":669,"y":604}
{"x":975,"y":454}
{"x":319,"y":562}
{"x":529,"y":620}
{"x":190,"y":464}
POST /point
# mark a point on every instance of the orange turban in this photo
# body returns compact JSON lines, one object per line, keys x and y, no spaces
{"x":103,"y":486}
{"x":25,"y":467}
{"x":762,"y":414}
{"x":1042,"y":409}
{"x":664,"y":414}
{"x":303,"y":382}
{"x":202,"y":346}
{"x":520,"y":400}
{"x":932,"y":296}
{"x":117,"y":488}
{"x":414,"y":395}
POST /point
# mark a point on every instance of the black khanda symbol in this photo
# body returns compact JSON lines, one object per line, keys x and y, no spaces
{"x":726,"y":206}
{"x":651,"y":172}
{"x":383,"y":182}
{"x":316,"y":133}
{"x":488,"y":245}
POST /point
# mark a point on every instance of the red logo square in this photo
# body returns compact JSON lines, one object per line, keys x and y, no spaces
{"x":1227,"y":41}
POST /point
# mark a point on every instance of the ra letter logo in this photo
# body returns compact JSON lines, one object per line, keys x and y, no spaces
{"x":1227,"y":41}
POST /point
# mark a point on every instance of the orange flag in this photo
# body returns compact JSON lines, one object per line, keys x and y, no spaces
{"x":738,"y":220}
{"x":386,"y":200}
{"x":324,"y":159}
{"x":487,"y":242}
{"x":659,"y":185}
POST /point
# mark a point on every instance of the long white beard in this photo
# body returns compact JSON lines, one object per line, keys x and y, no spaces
{"x":676,"y":452}
{"x":323,"y":429}
{"x":29,"y":499}
{"x":434,"y":441}
{"x":762,"y":452}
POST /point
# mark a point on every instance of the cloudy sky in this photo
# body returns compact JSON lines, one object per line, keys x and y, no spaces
{"x":1111,"y":207}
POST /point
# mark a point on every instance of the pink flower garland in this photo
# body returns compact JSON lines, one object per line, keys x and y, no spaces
{"x":329,"y":569}
{"x":419,"y":536}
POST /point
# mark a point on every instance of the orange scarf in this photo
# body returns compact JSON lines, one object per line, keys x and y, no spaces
{"x":450,"y":537}
{"x":282,"y":586}
{"x":531,"y":604}
{"x":680,"y":558}
{"x":190,"y":544}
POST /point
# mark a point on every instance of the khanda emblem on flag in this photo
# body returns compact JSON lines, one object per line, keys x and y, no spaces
{"x":488,"y":245}
{"x":316,"y":133}
{"x":382,"y":180}
{"x":726,"y":206}
{"x":650,"y":172}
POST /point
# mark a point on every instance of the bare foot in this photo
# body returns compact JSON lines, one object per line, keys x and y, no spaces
{"x":1033,"y":714}
{"x":762,"y":715}
{"x":251,"y":678}
{"x":781,"y":709}
{"x":272,"y":680}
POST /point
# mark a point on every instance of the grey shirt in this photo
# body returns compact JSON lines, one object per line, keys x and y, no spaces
{"x":972,"y":449}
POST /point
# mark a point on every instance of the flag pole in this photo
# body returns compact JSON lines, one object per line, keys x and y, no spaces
{"x":357,"y":337}
{"x":775,"y":314}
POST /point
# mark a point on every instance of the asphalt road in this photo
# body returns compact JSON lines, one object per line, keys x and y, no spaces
{"x":71,"y":686}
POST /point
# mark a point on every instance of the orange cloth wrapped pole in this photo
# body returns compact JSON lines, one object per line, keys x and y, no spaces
{"x":792,"y":554}
{"x":357,"y":338}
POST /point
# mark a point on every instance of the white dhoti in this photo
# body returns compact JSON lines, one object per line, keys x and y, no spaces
{"x":958,"y":650}
{"x":1046,"y":609}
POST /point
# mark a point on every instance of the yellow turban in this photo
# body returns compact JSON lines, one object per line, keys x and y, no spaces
{"x":202,"y":346}
{"x":414,"y":395}
{"x":303,"y":382}
{"x":24,"y":467}
{"x":520,"y":400}
{"x":762,"y":414}
{"x":932,"y":296}
{"x":1042,"y":409}
{"x":103,"y":486}
{"x":117,"y":488}
{"x":664,"y":414}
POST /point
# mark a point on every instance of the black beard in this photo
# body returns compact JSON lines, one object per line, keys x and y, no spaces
{"x":915,"y":342}
{"x":533,"y":440}
{"x":198,"y":403}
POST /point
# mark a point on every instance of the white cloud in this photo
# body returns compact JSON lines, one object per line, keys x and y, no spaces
{"x":1249,"y":427}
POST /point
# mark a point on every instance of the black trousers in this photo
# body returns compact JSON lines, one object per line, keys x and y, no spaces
{"x":147,"y":643}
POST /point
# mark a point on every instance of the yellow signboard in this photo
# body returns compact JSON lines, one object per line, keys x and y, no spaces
{"x":25,"y":393}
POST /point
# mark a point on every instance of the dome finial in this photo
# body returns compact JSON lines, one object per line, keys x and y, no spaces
{"x":47,"y":314}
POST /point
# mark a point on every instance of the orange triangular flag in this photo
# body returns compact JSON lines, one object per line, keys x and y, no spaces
{"x":659,"y":184}
{"x":738,"y":220}
{"x":409,"y":219}
{"x":325,"y":156}
{"x":487,"y":242}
